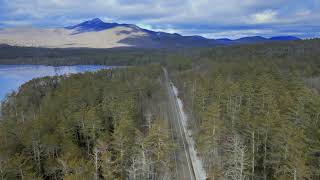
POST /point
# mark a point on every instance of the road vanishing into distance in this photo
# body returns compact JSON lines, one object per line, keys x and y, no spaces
{"x":185,"y":167}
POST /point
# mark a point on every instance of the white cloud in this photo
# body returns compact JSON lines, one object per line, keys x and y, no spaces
{"x":16,"y":23}
{"x":165,"y":29}
{"x":266,"y":16}
{"x":169,"y":15}
{"x":304,"y":12}
{"x":235,"y":34}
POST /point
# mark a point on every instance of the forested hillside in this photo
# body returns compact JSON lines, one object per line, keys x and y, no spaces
{"x":104,"y":125}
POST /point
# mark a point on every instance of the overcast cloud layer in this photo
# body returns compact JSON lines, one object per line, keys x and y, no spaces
{"x":210,"y":18}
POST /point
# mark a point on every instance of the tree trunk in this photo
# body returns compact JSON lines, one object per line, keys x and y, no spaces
{"x":252,"y":172}
{"x":295,"y":174}
{"x":242,"y":164}
{"x":38,"y":157}
{"x":21,"y":173}
{"x":265,"y":157}
{"x":22,"y":117}
{"x":96,"y":164}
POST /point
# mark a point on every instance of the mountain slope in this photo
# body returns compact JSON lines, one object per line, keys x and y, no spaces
{"x":97,"y":34}
{"x":67,"y":38}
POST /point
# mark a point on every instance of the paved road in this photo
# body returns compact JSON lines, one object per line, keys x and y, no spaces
{"x":183,"y":165}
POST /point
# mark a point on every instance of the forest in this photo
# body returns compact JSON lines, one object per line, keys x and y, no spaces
{"x":253,"y":122}
{"x":102,"y":125}
{"x":254,"y":111}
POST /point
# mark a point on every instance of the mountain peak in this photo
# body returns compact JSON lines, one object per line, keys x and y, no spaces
{"x":95,"y":24}
{"x":95,"y":20}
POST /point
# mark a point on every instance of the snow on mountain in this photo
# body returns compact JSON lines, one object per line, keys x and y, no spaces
{"x":98,"y":34}
{"x":90,"y":34}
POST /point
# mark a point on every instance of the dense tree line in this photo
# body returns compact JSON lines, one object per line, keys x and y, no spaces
{"x":254,"y":118}
{"x":102,"y":125}
{"x":75,"y":56}
{"x":302,"y":53}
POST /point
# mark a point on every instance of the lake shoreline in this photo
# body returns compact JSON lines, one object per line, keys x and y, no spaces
{"x":13,"y":76}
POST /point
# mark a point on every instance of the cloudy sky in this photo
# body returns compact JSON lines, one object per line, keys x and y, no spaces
{"x":210,"y":18}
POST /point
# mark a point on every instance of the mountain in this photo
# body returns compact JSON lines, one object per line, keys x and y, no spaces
{"x":92,"y":25}
{"x":98,"y":25}
{"x":285,"y":38}
{"x":252,"y":39}
{"x":98,"y":34}
{"x":256,"y":39}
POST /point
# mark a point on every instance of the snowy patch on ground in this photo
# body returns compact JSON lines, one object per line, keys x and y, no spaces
{"x":196,"y":160}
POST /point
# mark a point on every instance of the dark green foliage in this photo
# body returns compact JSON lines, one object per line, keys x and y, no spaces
{"x":254,"y":109}
{"x":255,"y":118}
{"x":290,"y":55}
{"x":86,"y":126}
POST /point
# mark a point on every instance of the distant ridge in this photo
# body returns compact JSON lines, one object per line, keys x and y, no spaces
{"x":96,"y":33}
{"x":285,"y":38}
